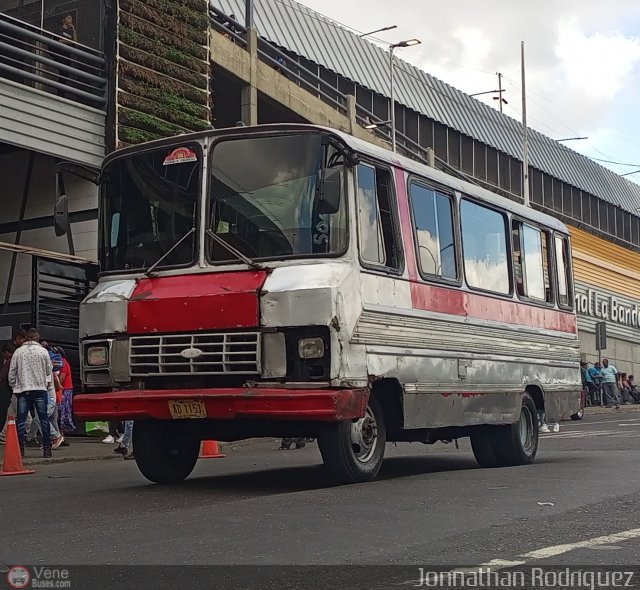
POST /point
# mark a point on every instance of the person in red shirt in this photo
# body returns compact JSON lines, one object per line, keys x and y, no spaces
{"x":65,"y":406}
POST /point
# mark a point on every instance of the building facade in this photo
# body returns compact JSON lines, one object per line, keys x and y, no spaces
{"x":160,"y":67}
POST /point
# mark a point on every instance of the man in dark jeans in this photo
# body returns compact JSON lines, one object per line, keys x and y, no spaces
{"x":30,"y":374}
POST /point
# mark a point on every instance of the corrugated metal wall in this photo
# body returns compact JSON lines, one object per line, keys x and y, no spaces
{"x":42,"y":122}
{"x":309,"y":34}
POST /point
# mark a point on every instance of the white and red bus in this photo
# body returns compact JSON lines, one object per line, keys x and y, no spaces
{"x":291,"y":280}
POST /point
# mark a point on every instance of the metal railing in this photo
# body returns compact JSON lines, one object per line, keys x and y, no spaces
{"x":34,"y":57}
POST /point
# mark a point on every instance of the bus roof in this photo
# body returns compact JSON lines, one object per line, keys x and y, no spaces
{"x":369,"y":149}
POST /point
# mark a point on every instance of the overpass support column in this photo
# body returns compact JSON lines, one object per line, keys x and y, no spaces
{"x":249,"y":93}
{"x":351,"y":113}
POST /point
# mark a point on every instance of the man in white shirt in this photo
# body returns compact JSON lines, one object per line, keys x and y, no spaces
{"x":30,"y":373}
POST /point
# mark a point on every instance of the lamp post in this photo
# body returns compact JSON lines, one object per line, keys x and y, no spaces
{"x":571,"y":138}
{"x":392,"y":100}
{"x":389,"y":28}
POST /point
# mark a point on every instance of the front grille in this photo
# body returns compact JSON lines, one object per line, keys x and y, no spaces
{"x":236,"y":353}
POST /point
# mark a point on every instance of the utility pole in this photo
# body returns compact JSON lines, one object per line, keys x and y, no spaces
{"x":500,"y":90}
{"x":525,"y":137}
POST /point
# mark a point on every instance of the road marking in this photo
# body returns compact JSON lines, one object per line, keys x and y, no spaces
{"x":555,"y":550}
{"x":605,"y":541}
{"x":589,"y":423}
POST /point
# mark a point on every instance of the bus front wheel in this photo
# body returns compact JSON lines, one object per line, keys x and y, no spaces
{"x":353,"y":450}
{"x":161,"y":454}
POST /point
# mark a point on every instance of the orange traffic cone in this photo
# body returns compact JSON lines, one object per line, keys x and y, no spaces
{"x":12,"y":459}
{"x":210,"y":450}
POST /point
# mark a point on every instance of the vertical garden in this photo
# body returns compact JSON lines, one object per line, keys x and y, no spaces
{"x":162,"y":69}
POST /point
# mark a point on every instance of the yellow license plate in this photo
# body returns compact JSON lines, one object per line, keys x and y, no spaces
{"x":187,"y":409}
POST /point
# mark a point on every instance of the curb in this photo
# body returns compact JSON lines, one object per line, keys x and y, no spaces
{"x":224,"y":446}
{"x":591,"y":410}
{"x":42,"y":461}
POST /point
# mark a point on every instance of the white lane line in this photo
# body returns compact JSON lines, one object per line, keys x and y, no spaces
{"x":543,"y":553}
{"x":589,"y":423}
{"x":556,"y":550}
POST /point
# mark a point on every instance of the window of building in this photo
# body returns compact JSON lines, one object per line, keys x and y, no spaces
{"x":531,"y":262}
{"x":454,"y":148}
{"x":379,"y":244}
{"x":563,"y":269}
{"x":440,"y":140}
{"x":516,"y":177}
{"x":504,"y":173}
{"x":486,"y":263}
{"x":433,"y":223}
{"x":426,"y":131}
{"x":467,"y":154}
{"x":480,"y":161}
{"x":492,"y":166}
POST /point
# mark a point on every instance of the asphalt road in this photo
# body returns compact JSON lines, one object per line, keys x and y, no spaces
{"x":431,"y":506}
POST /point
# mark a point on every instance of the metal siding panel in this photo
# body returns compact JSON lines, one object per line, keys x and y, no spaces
{"x":42,"y":122}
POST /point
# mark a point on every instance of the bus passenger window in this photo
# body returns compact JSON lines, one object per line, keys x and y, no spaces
{"x":531,"y":262}
{"x":378,"y":237}
{"x":565,"y":287}
{"x":433,"y":222}
{"x":484,"y":243}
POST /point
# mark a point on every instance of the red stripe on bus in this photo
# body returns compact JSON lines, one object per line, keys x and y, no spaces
{"x":482,"y":307}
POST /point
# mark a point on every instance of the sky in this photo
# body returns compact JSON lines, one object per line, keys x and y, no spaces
{"x":582,"y":61}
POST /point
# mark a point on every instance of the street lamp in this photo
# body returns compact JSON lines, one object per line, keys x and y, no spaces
{"x":373,"y":125}
{"x":392,"y":48}
{"x":571,"y":138}
{"x":389,"y":28}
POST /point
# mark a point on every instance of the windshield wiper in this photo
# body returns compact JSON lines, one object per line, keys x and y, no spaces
{"x":182,"y":239}
{"x":234,"y":251}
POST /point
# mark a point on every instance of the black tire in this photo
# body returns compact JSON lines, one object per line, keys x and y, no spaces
{"x":352,"y":462}
{"x":483,"y":444}
{"x":579,"y":415}
{"x":161,"y":456}
{"x":517,"y":444}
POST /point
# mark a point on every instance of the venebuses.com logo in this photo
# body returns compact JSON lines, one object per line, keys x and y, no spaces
{"x":18,"y":576}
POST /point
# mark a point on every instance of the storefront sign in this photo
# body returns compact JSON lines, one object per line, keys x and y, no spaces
{"x":607,"y":308}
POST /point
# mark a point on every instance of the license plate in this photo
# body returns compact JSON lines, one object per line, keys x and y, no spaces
{"x":187,"y":409}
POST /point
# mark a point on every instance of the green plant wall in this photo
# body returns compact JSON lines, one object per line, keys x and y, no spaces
{"x":162,"y":69}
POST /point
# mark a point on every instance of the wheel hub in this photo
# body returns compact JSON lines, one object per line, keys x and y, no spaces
{"x":364,"y":434}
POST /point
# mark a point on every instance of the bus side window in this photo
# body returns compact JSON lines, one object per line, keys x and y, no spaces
{"x":530,"y":261}
{"x":563,"y":268}
{"x":378,"y":236}
{"x":433,"y":222}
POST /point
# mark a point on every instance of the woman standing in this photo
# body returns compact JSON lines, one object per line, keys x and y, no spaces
{"x":65,"y":407}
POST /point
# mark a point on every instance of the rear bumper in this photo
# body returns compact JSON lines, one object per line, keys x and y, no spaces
{"x":227,"y":404}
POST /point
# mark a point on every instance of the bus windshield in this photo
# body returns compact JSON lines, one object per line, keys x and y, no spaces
{"x":269,"y":198}
{"x":149,"y":204}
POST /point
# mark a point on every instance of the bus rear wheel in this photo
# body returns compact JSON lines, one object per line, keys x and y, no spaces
{"x":510,"y":445}
{"x":353,"y":450}
{"x":161,"y":454}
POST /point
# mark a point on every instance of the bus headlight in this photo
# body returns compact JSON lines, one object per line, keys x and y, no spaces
{"x":310,"y":348}
{"x":97,"y":355}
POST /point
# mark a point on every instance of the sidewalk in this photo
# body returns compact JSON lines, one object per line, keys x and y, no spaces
{"x":92,"y":449}
{"x":602,"y":410}
{"x":79,"y":449}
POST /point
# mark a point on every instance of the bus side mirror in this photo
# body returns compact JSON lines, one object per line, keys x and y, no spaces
{"x":61,"y":215}
{"x":61,"y":209}
{"x":330,"y":192}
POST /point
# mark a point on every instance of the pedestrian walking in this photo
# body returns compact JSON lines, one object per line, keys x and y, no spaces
{"x":30,"y":374}
{"x":123,"y":447}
